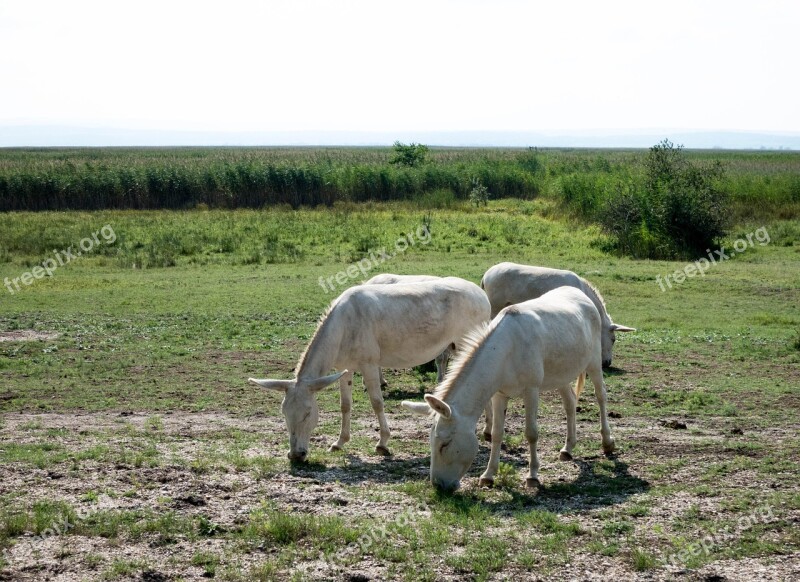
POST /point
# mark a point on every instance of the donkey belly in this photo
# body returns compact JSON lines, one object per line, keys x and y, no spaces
{"x":410,"y":355}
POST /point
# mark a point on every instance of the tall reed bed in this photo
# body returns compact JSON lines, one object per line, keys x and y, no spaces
{"x":176,"y":178}
{"x":92,"y":179}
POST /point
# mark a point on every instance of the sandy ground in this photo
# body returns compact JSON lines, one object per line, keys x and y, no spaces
{"x":24,"y":335}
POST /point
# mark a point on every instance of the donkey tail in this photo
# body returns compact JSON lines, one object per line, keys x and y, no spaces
{"x":579,"y":384}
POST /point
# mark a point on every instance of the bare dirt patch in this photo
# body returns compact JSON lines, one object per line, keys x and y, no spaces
{"x":26,"y":335}
{"x":198,"y":468}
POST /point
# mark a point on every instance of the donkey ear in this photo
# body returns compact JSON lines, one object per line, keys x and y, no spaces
{"x":439,"y":406}
{"x":420,"y":408}
{"x":279,"y":385}
{"x":617,"y":327}
{"x":320,"y":383}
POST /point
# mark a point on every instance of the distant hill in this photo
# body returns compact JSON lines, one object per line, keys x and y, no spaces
{"x":50,"y":136}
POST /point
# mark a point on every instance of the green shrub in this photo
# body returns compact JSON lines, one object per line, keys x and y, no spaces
{"x":479,"y":195}
{"x":410,"y":155}
{"x":678,"y":210}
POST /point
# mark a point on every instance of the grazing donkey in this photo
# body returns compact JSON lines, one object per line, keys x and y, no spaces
{"x":443,"y":358}
{"x":391,"y":279}
{"x":369,"y":326}
{"x":531,"y":347}
{"x":509,"y":283}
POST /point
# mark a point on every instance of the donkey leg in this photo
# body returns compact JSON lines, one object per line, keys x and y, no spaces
{"x":346,"y":404}
{"x":596,"y":374}
{"x":568,"y":399}
{"x":441,"y":363}
{"x":499,"y":405}
{"x":532,"y":434}
{"x":372,"y":382}
{"x":384,"y":383}
{"x":487,"y":427}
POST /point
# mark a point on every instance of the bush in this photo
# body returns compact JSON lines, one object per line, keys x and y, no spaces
{"x":479,"y":195}
{"x":410,"y":155}
{"x":678,"y":212}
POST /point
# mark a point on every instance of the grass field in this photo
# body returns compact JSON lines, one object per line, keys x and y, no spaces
{"x":131,"y":445}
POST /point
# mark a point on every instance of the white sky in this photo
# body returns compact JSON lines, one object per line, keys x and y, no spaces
{"x":375,"y":66}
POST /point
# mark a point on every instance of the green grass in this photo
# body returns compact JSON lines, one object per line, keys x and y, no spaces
{"x":161,"y":355}
{"x":208,"y":561}
{"x":281,"y":528}
{"x":124,"y":568}
{"x":481,"y":558}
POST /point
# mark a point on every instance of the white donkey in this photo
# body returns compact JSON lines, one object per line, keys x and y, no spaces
{"x":509,"y":283}
{"x":442,"y":359}
{"x":538,"y":345}
{"x":369,"y":326}
{"x":392,"y":279}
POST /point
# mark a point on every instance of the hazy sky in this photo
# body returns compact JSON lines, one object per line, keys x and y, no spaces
{"x":399,"y":66}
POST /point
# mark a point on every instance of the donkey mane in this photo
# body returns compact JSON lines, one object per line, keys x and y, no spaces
{"x":318,"y":331}
{"x":470,"y":344}
{"x":592,"y":290}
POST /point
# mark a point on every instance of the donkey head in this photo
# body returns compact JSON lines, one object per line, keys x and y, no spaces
{"x":453,"y":442}
{"x":299,"y":408}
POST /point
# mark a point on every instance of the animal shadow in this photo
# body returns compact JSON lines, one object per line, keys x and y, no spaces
{"x":591,"y":489}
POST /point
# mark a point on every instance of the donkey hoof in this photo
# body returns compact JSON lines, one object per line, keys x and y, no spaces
{"x":609,"y":448}
{"x":487,"y":436}
{"x":486,"y":482}
{"x":334,"y":448}
{"x":383,"y":451}
{"x":532,"y":483}
{"x":564,"y":456}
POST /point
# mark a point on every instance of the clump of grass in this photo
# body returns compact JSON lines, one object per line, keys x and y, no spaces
{"x":90,"y":497}
{"x":208,"y":561}
{"x":154,"y":424}
{"x":265,"y":572}
{"x":603,"y":547}
{"x":127,"y":568}
{"x":642,"y":560}
{"x":481,"y":557}
{"x":617,"y":528}
{"x":282,"y":528}
{"x":208,"y":528}
{"x":506,"y":477}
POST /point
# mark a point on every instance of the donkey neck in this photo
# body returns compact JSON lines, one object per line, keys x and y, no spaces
{"x":474,"y":385}
{"x":321,"y":353}
{"x":595,"y":298}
